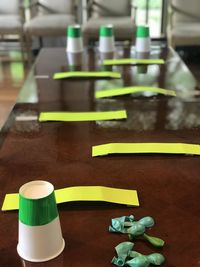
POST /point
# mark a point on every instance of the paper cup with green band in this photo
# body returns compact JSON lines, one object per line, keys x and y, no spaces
{"x":106,"y":39}
{"x":74,"y":39}
{"x":143,"y":41}
{"x":40,"y":236}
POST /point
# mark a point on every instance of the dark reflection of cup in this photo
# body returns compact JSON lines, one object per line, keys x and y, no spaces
{"x":74,"y":68}
{"x":58,"y":262}
{"x":142,"y":69}
{"x":75,"y":59}
{"x":103,"y":56}
{"x":108,"y":55}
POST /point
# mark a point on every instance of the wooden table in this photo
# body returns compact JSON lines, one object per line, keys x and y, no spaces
{"x":168,"y":185}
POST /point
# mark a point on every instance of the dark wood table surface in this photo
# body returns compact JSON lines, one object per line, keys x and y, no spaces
{"x":60,"y":152}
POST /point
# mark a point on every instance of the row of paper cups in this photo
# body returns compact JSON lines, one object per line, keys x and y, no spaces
{"x":106,"y":39}
{"x":40,"y":236}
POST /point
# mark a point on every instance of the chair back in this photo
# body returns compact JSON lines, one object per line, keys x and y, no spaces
{"x":9,"y":7}
{"x":57,"y":6}
{"x":109,"y":8}
{"x":185,"y":11}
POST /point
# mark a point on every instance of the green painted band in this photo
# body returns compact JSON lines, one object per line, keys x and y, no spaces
{"x":142,"y":31}
{"x":106,"y":31}
{"x":35,"y":212}
{"x":74,"y":31}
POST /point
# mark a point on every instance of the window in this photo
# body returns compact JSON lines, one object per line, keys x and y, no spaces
{"x":153,"y":13}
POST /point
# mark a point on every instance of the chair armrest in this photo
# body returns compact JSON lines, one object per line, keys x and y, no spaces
{"x":31,"y":8}
{"x":76,"y":10}
{"x":134,"y":12}
{"x":90,"y":3}
{"x":22,"y":12}
{"x":170,"y":14}
{"x":31,"y":4}
{"x":181,"y":11}
{"x":87,"y":4}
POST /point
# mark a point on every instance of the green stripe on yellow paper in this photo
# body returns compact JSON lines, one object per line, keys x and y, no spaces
{"x":132,"y":90}
{"x":135,"y":148}
{"x":121,"y":61}
{"x":82,"y":116}
{"x":87,"y":74}
{"x":83,"y":193}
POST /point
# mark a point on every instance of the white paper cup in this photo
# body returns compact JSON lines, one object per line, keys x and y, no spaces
{"x":74,"y":39}
{"x":106,"y":39}
{"x":143,"y":42}
{"x":40,"y":236}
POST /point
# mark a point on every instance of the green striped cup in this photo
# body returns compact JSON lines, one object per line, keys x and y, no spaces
{"x":40,"y":236}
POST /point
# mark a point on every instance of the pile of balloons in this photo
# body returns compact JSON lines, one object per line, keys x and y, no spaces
{"x":135,"y":229}
{"x":127,"y":256}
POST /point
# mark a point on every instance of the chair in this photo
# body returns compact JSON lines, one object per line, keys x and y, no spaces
{"x":184,"y":23}
{"x":49,"y":18}
{"x":11,"y":20}
{"x":121,"y":14}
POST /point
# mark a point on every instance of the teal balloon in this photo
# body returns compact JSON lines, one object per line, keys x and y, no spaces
{"x":156,"y":258}
{"x":155,"y":241}
{"x":123,"y":249}
{"x":118,"y":261}
{"x":147,"y":221}
{"x":136,"y":229}
{"x":140,"y":261}
{"x":118,"y":224}
{"x":112,"y":230}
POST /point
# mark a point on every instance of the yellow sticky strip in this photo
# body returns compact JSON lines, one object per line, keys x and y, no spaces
{"x":131,"y":90}
{"x":89,"y":74}
{"x":169,"y":148}
{"x":97,"y":193}
{"x":124,"y":61}
{"x":82,"y":116}
{"x":82,"y":193}
{"x":11,"y":202}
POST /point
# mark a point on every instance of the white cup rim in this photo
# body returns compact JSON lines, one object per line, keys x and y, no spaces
{"x":36,"y":189}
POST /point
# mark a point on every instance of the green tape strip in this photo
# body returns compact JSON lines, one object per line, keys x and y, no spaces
{"x":82,"y":116}
{"x":169,"y":148}
{"x":87,"y":74}
{"x":37,"y":212}
{"x":131,"y":90}
{"x":125,"y":61}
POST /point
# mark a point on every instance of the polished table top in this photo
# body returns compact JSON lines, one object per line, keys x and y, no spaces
{"x":60,"y":152}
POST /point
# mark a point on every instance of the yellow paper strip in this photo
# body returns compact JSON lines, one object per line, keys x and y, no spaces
{"x":11,"y":202}
{"x":124,"y":61}
{"x":169,"y":148}
{"x":83,"y":116}
{"x":133,"y":89}
{"x":82,"y":193}
{"x":85,"y":74}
